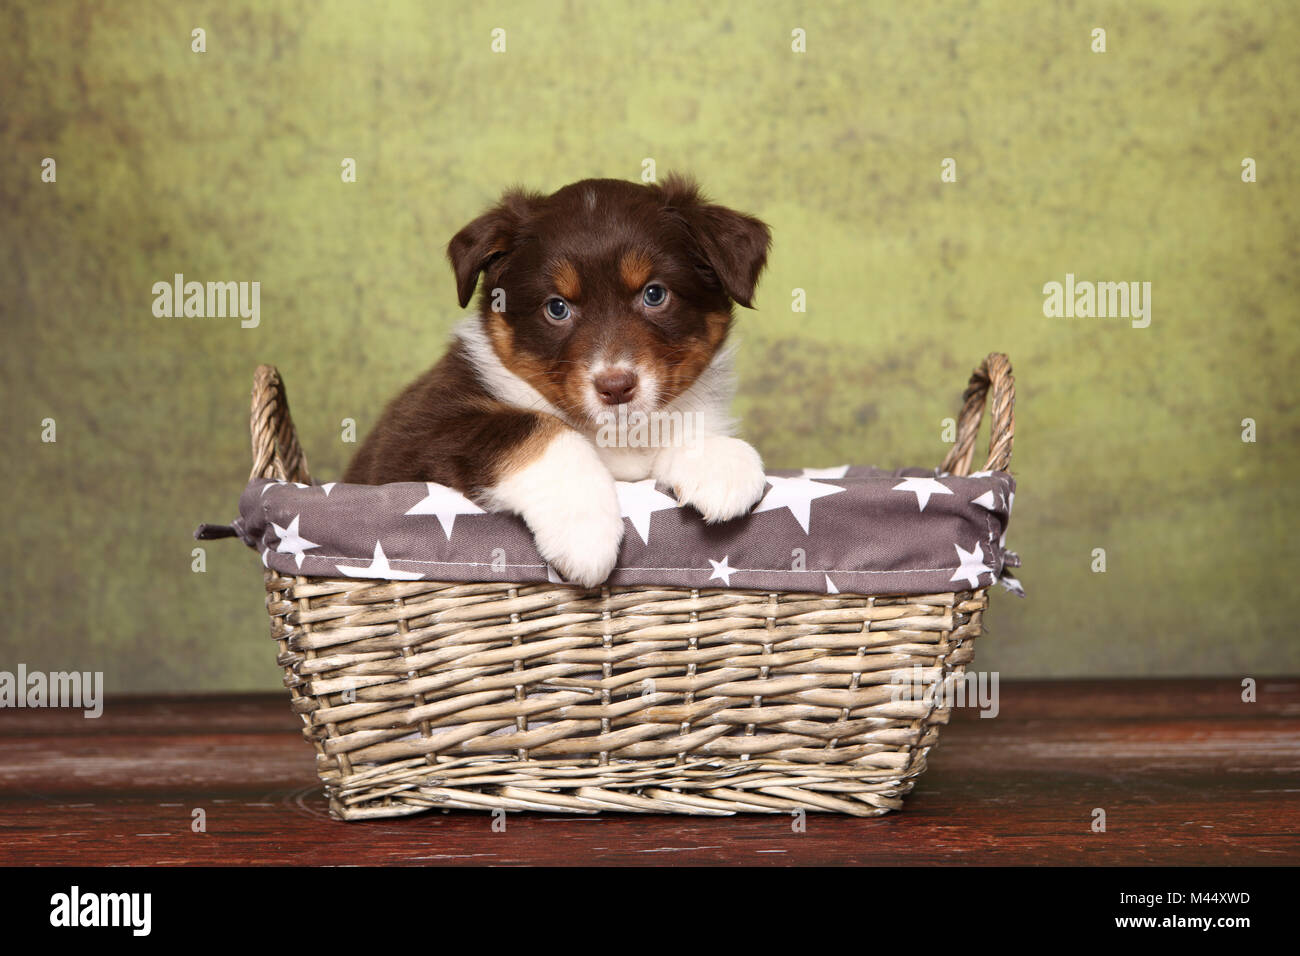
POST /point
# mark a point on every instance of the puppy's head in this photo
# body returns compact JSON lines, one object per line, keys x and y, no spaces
{"x":608,"y":292}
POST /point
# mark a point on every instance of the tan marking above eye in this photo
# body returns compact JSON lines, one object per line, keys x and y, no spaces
{"x":635,"y":268}
{"x":565,"y":277}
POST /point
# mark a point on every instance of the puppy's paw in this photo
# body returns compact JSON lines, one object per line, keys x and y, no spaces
{"x":720,"y":477}
{"x":567,"y":498}
{"x":584,"y":549}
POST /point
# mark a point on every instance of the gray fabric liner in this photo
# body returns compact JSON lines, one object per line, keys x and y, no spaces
{"x":869,"y":531}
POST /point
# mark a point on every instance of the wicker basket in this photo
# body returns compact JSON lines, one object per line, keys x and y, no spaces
{"x":419,"y":695}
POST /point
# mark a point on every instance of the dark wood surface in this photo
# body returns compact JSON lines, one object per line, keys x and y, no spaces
{"x":1186,"y":772}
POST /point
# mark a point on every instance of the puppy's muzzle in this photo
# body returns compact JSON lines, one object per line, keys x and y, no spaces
{"x":615,"y":386}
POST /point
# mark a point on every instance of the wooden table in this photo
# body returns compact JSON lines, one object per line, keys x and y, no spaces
{"x":1186,"y":772}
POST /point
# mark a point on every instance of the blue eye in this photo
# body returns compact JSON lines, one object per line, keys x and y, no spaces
{"x":557,"y":310}
{"x":655,"y":295}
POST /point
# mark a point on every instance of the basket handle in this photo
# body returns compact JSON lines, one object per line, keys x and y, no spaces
{"x":993,"y":374}
{"x":276,"y":452}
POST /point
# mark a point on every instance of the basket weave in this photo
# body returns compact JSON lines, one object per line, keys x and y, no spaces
{"x":419,"y":695}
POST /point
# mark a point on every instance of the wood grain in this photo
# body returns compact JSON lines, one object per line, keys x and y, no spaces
{"x":1186,"y":772}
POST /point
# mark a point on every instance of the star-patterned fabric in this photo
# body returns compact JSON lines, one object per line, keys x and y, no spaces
{"x":843,"y":530}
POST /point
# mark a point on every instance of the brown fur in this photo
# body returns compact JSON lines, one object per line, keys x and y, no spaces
{"x":595,"y":243}
{"x":444,"y":427}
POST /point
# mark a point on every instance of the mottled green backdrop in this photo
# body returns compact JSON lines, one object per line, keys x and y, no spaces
{"x":225,"y":165}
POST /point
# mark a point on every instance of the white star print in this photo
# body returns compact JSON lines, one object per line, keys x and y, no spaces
{"x":328,"y":487}
{"x":972,"y":565}
{"x":797,"y":494}
{"x":721,"y":571}
{"x":379,"y":568}
{"x":291,"y":542}
{"x":923,"y":488}
{"x":638,"y":500}
{"x":553,"y":576}
{"x":830,"y":585}
{"x":839,"y":471}
{"x":280,"y":482}
{"x":985,"y":501}
{"x":265,"y":553}
{"x":446,"y":503}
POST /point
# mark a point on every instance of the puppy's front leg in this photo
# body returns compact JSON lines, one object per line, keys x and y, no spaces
{"x":719,"y":476}
{"x":552,"y":477}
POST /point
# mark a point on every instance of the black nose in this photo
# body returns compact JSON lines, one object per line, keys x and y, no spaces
{"x":615,"y":386}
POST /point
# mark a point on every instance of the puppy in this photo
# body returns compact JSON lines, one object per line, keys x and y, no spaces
{"x":601,"y":302}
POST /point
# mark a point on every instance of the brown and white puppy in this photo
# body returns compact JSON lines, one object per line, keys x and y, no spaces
{"x":603,"y":294}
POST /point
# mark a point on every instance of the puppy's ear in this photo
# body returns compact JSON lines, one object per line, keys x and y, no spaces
{"x":732,"y":245}
{"x":487,"y":238}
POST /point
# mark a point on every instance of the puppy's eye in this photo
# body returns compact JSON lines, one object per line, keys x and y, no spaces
{"x":655,"y":295}
{"x":557,"y":310}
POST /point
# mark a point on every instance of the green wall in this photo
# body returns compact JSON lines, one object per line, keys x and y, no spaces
{"x":1123,"y":165}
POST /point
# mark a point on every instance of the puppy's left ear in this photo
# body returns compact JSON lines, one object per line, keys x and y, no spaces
{"x":486,"y":239}
{"x":733,"y":245}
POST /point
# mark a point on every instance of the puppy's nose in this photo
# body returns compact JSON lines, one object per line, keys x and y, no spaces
{"x":615,"y":386}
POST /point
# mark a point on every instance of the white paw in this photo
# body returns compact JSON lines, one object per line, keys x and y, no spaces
{"x":720,"y":477}
{"x":567,"y":498}
{"x":583,"y":547}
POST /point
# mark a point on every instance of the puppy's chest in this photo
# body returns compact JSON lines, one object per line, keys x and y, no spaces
{"x":627,"y":464}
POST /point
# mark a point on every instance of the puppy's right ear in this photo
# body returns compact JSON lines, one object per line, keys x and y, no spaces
{"x":487,"y":238}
